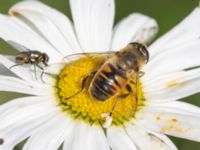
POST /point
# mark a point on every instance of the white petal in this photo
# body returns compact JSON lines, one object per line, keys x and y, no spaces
{"x":12,"y":84}
{"x":179,"y":57}
{"x":172,"y":86}
{"x":175,"y":118}
{"x":26,"y":111}
{"x":69,"y":136}
{"x":20,"y":131}
{"x":19,"y":103}
{"x":164,"y":138}
{"x":185,"y":32}
{"x":148,"y":140}
{"x":135,"y":27}
{"x":50,"y":135}
{"x":20,"y":117}
{"x":4,"y":70}
{"x":119,"y":140}
{"x":11,"y":30}
{"x":59,"y":24}
{"x":177,"y":106}
{"x":93,"y":21}
{"x":42,"y":24}
{"x":86,"y":137}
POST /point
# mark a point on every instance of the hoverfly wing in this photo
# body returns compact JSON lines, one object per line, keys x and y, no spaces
{"x":17,"y":46}
{"x":73,"y":57}
{"x":94,"y":55}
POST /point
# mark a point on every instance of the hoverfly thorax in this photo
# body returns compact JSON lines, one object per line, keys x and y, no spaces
{"x":132,"y":57}
{"x":128,"y":60}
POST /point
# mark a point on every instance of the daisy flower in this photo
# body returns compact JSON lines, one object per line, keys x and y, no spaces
{"x":48,"y":121}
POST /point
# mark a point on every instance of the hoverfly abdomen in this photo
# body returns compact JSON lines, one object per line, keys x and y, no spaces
{"x":106,"y":83}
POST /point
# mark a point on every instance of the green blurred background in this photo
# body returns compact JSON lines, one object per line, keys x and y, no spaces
{"x":167,"y":13}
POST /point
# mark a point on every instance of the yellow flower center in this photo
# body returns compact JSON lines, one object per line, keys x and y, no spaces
{"x":82,"y":106}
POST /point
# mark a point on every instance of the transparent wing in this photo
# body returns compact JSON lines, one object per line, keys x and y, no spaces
{"x":94,"y":55}
{"x":17,"y":46}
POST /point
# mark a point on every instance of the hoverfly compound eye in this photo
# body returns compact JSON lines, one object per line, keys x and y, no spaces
{"x":134,"y":44}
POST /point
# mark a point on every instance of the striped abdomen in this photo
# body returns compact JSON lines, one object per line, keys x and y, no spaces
{"x":108,"y":81}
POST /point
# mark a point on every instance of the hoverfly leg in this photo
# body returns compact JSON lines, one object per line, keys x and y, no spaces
{"x":108,"y":116}
{"x":137,"y":85}
{"x":123,"y":96}
{"x":82,"y":85}
{"x":141,"y":74}
{"x":113,"y":107}
{"x":129,"y":89}
{"x":138,"y":75}
{"x":132,"y":82}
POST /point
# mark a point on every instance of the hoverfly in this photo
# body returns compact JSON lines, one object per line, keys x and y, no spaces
{"x":31,"y":57}
{"x":116,"y":73}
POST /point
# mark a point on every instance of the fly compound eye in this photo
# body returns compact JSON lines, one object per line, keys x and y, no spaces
{"x":45,"y":58}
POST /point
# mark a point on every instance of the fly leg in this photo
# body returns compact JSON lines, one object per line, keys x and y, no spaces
{"x":42,"y":73}
{"x":35,"y":71}
{"x":15,"y":65}
{"x":41,"y":68}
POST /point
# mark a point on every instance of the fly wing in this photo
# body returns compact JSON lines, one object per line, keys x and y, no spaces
{"x":17,"y":46}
